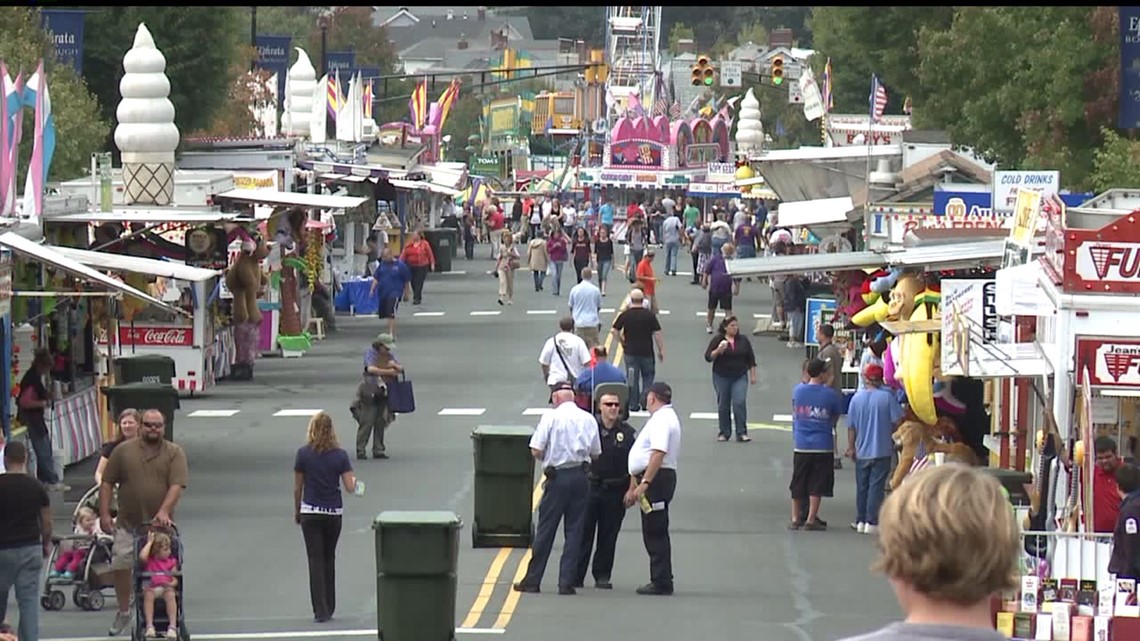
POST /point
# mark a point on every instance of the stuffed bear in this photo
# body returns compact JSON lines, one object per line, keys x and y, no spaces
{"x":917,"y":440}
{"x":244,"y":279}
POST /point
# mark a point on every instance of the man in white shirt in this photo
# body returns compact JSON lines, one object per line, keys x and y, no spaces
{"x":565,"y":441}
{"x":585,"y":305}
{"x":564,"y":356}
{"x":652,"y":483}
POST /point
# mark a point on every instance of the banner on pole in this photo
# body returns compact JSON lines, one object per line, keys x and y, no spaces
{"x":66,"y":28}
{"x":342,"y":61}
{"x":273,"y":56}
{"x":813,"y":102}
{"x":1129,"y":117}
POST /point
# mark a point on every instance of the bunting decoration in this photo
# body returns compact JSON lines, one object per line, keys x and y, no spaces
{"x":908,"y":106}
{"x":369,"y":97}
{"x":828,"y":100}
{"x":11,"y":121}
{"x":43,"y":146}
{"x":446,"y":101}
{"x":418,"y":106}
{"x":334,"y":100}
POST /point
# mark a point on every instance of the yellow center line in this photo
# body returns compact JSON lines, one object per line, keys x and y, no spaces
{"x":487,"y":589}
{"x":513,"y":597}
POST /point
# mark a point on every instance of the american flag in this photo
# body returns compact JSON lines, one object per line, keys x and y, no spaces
{"x":877,"y":99}
{"x":675,"y":110}
{"x":660,"y":107}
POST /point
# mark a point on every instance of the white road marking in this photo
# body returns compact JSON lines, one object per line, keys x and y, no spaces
{"x":704,"y":416}
{"x":462,"y":411}
{"x":486,"y":313}
{"x":212,"y":413}
{"x":452,"y":273}
{"x":292,"y":413}
{"x":639,"y":414}
{"x":606,"y":310}
{"x":428,"y":314}
{"x":541,"y":312}
{"x":719,"y":313}
{"x":761,"y":316}
{"x":535,"y":411}
{"x":767,"y":426}
{"x":684,"y":273}
{"x":782,"y":418}
{"x":297,"y":634}
{"x":663,"y":312}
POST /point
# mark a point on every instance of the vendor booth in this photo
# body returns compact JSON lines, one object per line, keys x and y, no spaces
{"x":51,"y":311}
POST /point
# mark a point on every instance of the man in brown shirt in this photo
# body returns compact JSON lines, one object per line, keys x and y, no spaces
{"x":830,"y":354}
{"x":151,"y":473}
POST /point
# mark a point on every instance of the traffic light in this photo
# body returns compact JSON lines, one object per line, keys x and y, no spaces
{"x":778,"y":70}
{"x":703,"y":73}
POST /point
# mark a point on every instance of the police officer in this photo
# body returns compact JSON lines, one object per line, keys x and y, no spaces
{"x":652,"y":483}
{"x":609,"y":480}
{"x":1125,"y":559}
{"x":566,"y":440}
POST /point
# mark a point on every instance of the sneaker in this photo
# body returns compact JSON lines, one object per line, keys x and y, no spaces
{"x":858,"y":527}
{"x":54,"y":574}
{"x":150,"y":633}
{"x":122,"y":620}
{"x":67,"y":575}
{"x":708,"y":329}
{"x":870,"y":529}
{"x":171,"y":632}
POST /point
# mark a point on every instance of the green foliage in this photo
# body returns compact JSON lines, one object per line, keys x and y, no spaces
{"x":298,"y":22}
{"x":199,"y":44}
{"x":462,"y":122}
{"x":79,"y":130}
{"x":1115,"y":162}
{"x":678,"y":33}
{"x":350,"y":29}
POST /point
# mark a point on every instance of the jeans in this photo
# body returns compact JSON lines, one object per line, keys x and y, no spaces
{"x":578,"y":267}
{"x":696,"y":260}
{"x":731,"y":402}
{"x":870,"y":483}
{"x":717,"y":243}
{"x":671,"y":251}
{"x":321,"y":532}
{"x":604,"y":513}
{"x":639,"y":372}
{"x":564,"y":499}
{"x":539,"y":276}
{"x":604,"y":270}
{"x":419,"y":275}
{"x":796,"y":319}
{"x":21,"y":568}
{"x":558,"y":265}
{"x":41,"y":444}
{"x":372,"y":420}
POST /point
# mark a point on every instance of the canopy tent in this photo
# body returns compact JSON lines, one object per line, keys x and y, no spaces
{"x":484,"y":193}
{"x":49,"y":256}
{"x":550,"y":182}
{"x":931,"y":257}
{"x":138,"y":265}
{"x":288,"y":198}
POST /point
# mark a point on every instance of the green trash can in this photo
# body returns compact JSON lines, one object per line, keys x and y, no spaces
{"x":144,"y":368}
{"x":442,"y":242}
{"x":144,"y":396}
{"x":504,"y":486}
{"x":417,"y":560}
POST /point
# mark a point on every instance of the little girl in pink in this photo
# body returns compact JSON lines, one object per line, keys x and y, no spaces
{"x":70,"y":561}
{"x":158,"y":561}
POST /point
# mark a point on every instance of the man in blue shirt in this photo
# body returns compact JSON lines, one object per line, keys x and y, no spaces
{"x":393,"y":279}
{"x":871,"y":419}
{"x":585,"y":305}
{"x":816,"y":407}
{"x":602,"y":372}
{"x":606,"y":214}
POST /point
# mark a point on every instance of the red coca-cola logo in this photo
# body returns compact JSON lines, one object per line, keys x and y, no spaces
{"x":157,"y":336}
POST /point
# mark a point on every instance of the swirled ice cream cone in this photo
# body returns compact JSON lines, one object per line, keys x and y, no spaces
{"x":146,"y":134}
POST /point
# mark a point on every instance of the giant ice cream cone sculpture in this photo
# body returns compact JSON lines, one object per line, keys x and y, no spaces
{"x":749,"y":129}
{"x":146,"y":134}
{"x":299,"y":98}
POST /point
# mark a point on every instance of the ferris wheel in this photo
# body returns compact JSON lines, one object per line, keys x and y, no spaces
{"x":633,"y":40}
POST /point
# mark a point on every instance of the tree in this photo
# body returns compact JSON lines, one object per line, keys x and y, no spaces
{"x":236,"y":117}
{"x":753,"y":32}
{"x":351,"y":29}
{"x":462,"y":122}
{"x":678,"y":33}
{"x":199,"y":43}
{"x":882,"y":40}
{"x":79,"y":130}
{"x":1114,"y":163}
{"x":298,"y":22}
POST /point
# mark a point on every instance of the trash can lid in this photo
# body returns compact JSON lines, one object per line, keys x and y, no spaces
{"x":417,"y":517}
{"x":503,"y":430}
{"x":145,"y":357}
{"x":157,"y":388}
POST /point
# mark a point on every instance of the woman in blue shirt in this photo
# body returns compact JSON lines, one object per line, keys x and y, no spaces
{"x":321,"y":467}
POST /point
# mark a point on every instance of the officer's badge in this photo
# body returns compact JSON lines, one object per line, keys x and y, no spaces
{"x":620,"y":437}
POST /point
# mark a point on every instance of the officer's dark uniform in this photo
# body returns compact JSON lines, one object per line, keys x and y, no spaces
{"x":609,"y":481}
{"x":1125,"y":559}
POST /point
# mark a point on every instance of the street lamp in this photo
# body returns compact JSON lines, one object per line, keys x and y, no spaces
{"x":323,"y":22}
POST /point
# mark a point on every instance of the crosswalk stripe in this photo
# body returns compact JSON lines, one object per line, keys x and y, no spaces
{"x":663,"y":312}
{"x":212,"y":413}
{"x":428,"y":314}
{"x":639,"y":414}
{"x":769,"y":426}
{"x":462,"y":411}
{"x":296,"y":412}
{"x":455,"y":273}
{"x":535,"y":411}
{"x":606,"y":310}
{"x":704,"y":416}
{"x":782,"y":418}
{"x":486,"y":313}
{"x":542,"y":312}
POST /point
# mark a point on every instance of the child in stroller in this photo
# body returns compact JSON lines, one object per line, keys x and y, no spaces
{"x":159,"y":579}
{"x":79,"y":560}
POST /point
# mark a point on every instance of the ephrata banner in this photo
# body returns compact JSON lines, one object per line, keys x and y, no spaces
{"x":1129,"y":117}
{"x":66,"y":29}
{"x":273,"y":56}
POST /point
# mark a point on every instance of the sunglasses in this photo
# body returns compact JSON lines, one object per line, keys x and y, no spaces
{"x":153,"y":424}
{"x":611,"y":404}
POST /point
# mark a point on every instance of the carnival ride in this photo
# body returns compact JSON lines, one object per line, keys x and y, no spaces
{"x":633,"y":40}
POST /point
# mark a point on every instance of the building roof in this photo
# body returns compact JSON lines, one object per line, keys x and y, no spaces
{"x":382,"y":15}
{"x":478,"y":34}
{"x":925,"y":174}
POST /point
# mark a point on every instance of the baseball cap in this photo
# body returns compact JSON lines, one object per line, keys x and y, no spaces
{"x":873,"y":371}
{"x":385,"y":339}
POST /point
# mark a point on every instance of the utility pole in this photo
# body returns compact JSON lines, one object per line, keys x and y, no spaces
{"x":253,"y":35}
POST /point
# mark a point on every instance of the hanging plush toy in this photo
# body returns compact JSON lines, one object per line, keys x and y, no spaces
{"x":878,"y":304}
{"x":919,"y":352}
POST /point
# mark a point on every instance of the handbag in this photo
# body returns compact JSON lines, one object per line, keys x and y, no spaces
{"x":569,"y":375}
{"x":401,"y":396}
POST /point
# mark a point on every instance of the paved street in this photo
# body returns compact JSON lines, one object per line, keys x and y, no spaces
{"x":739,"y":572}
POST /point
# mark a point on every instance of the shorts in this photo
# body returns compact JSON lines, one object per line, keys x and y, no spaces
{"x":723,"y":299}
{"x":813,"y":474}
{"x":159,"y":590}
{"x":123,"y":554}
{"x":389,"y":307}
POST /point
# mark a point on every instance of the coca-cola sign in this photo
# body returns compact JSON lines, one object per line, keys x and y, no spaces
{"x":1111,"y":362}
{"x":157,"y":336}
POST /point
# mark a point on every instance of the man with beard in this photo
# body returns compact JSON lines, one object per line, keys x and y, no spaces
{"x":151,"y":473}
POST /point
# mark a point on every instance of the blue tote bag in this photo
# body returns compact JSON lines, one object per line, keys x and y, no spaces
{"x":401,"y":396}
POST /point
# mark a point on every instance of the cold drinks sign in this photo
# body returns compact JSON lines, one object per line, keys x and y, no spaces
{"x":1006,"y":184}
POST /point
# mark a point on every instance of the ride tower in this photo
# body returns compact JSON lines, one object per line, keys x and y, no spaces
{"x":633,"y":40}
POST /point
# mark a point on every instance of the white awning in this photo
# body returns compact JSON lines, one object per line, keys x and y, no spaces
{"x":346,"y":178}
{"x":423,"y":186}
{"x":138,"y":265}
{"x":289,"y":198}
{"x":50,"y":256}
{"x":146,"y":216}
{"x":933,"y":257}
{"x":810,"y":213}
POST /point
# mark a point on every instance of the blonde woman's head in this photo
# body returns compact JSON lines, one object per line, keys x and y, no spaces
{"x":321,"y":436}
{"x":507,"y":237}
{"x":128,"y":423}
{"x":948,"y":534}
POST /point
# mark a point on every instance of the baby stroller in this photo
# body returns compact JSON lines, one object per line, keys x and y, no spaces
{"x":162,"y":622}
{"x":93,"y":575}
